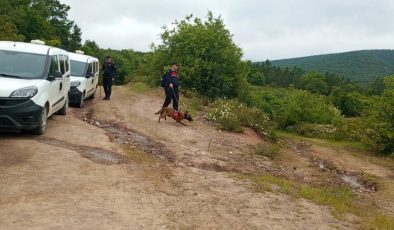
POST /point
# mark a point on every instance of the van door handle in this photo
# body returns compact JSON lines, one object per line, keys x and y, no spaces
{"x":61,"y":86}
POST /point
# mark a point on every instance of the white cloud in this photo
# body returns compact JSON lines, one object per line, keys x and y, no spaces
{"x":263,"y":29}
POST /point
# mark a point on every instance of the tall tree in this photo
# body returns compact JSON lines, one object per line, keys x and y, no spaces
{"x":8,"y":30}
{"x":210,"y":60}
{"x":38,"y":19}
{"x":75,"y":39}
{"x":315,"y":82}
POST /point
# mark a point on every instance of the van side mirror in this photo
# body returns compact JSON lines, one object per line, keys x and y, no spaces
{"x":58,"y":76}
{"x":89,"y":75}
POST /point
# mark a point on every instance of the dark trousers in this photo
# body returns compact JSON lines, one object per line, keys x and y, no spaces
{"x":107,"y":84}
{"x":171,"y":94}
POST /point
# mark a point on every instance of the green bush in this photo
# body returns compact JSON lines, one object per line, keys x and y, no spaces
{"x":317,"y":130}
{"x":292,"y":107}
{"x":231,"y":115}
{"x":303,"y":107}
{"x":210,"y":61}
{"x":351,"y":129}
{"x":379,"y":120}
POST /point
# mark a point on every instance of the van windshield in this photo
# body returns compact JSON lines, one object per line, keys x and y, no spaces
{"x":78,"y":69}
{"x":21,"y":65}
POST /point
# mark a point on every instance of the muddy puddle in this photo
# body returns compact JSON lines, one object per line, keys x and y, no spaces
{"x":125,"y":136}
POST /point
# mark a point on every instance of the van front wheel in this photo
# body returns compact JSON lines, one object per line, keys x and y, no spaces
{"x":42,"y":122}
{"x":63,"y":110}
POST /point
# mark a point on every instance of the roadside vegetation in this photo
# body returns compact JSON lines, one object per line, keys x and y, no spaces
{"x":267,"y":98}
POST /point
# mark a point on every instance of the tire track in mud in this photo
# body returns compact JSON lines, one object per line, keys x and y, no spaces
{"x":128,"y":137}
{"x":95,"y":154}
{"x":355,"y":180}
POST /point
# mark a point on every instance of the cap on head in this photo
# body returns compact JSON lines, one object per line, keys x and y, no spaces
{"x":107,"y":57}
{"x":174,"y":63}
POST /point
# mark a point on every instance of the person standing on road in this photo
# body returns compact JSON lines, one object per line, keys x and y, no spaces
{"x":170,"y":83}
{"x":109,"y":69}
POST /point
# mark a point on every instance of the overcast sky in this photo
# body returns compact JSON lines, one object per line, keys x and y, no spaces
{"x":263,"y":29}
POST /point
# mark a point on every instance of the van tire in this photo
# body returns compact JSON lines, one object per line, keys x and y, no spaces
{"x":43,"y":122}
{"x":81,"y":101}
{"x":63,"y":110}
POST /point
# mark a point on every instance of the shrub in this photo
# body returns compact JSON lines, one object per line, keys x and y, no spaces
{"x":231,"y":115}
{"x":351,"y":129}
{"x":211,"y":62}
{"x":379,"y":123}
{"x":316,"y":130}
{"x":267,"y":150}
{"x":303,"y":107}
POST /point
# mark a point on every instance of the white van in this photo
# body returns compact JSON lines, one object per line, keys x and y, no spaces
{"x":84,"y":78}
{"x":34,"y":84}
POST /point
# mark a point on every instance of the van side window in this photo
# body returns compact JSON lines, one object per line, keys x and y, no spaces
{"x":90,"y":68}
{"x":54,"y":66}
{"x":97,"y":67}
{"x":62,"y":64}
{"x":67,"y":63}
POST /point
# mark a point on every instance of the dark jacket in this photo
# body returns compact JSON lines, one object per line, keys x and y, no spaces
{"x":109,"y":69}
{"x":171,"y":77}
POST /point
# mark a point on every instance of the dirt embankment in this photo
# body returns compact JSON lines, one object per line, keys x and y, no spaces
{"x":112,"y":165}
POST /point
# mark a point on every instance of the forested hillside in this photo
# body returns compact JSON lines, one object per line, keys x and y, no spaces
{"x":362,"y":66}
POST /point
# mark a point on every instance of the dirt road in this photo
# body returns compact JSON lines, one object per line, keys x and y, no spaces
{"x":113,"y":166}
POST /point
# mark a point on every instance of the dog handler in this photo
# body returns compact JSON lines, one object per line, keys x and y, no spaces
{"x":109,"y":74}
{"x":170,"y":82}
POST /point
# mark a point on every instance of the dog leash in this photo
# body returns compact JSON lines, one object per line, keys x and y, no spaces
{"x":177,"y":99}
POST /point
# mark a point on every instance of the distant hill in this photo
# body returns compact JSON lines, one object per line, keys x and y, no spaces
{"x":362,"y":66}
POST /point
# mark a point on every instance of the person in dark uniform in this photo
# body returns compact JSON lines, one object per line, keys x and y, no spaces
{"x":109,"y":69}
{"x":170,"y":83}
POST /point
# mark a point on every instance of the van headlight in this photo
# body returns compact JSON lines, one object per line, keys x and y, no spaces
{"x":27,"y":92}
{"x":75,"y":84}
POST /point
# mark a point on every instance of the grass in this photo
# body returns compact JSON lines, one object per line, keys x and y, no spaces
{"x":325,"y":142}
{"x":356,"y":149}
{"x":268,"y":150}
{"x":139,"y":156}
{"x":140,"y":87}
{"x":380,"y":221}
{"x":341,"y":200}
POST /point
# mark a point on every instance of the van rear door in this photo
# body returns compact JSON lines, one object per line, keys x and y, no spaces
{"x":90,"y":80}
{"x":64,"y":63}
{"x":96,"y":74}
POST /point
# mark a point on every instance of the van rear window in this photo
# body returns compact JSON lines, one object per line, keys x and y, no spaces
{"x":21,"y":65}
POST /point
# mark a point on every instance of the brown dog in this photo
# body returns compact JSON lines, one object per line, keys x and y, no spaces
{"x":177,"y":116}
